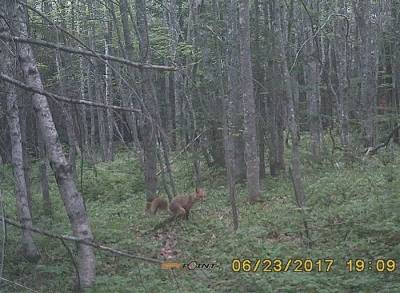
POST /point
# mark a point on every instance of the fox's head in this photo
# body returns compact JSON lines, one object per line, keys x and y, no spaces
{"x":200,"y":193}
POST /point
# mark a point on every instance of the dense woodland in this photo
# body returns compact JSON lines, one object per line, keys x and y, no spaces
{"x":286,"y":113}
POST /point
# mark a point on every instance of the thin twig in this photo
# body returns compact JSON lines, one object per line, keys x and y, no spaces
{"x":314,"y":35}
{"x":73,"y":261}
{"x":183,"y":150}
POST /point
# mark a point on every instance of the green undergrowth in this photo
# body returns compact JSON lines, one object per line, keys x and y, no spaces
{"x":352,"y":211}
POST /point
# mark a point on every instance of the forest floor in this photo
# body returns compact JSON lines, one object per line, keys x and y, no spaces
{"x":353,"y":212}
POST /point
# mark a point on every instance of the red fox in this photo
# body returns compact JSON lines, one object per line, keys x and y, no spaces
{"x":156,"y":204}
{"x":180,"y":205}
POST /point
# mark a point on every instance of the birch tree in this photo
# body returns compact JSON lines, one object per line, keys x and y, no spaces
{"x":70,"y":195}
{"x":29,"y":249}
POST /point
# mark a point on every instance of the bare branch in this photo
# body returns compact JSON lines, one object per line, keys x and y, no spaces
{"x":63,"y":99}
{"x":86,"y":53}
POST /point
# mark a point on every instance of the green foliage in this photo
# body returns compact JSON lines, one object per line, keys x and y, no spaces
{"x":159,"y":42}
{"x":123,"y":178}
{"x":352,"y":212}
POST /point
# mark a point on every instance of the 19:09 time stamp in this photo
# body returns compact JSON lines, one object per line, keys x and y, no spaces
{"x":308,"y":265}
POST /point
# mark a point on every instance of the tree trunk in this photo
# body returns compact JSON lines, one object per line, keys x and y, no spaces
{"x":109,"y":95}
{"x":234,"y":91}
{"x":174,"y":77}
{"x":98,"y":86}
{"x":229,"y":148}
{"x":44,"y":181}
{"x":126,"y":100}
{"x":395,"y":11}
{"x":29,"y":248}
{"x":249,"y":107}
{"x":292,"y":93}
{"x":91,"y":96}
{"x":275,"y":103}
{"x":312,"y":71}
{"x":84,"y":130}
{"x":23,"y":116}
{"x":341,"y":53}
{"x":363,"y":10}
{"x":260,"y":102}
{"x":314,"y":105}
{"x":66,"y":113}
{"x":150,"y":127}
{"x":72,"y":199}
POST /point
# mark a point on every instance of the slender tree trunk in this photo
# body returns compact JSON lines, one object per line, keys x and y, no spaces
{"x":44,"y":181}
{"x":260,"y":103}
{"x":29,"y":248}
{"x":363,"y":10}
{"x":229,"y":109}
{"x":23,"y":116}
{"x":229,"y":157}
{"x":98,"y":87}
{"x":314,"y":105}
{"x":395,"y":13}
{"x":292,"y":92}
{"x":84,"y":130}
{"x":234,"y":90}
{"x":191,"y":91}
{"x":150,"y":127}
{"x":126,"y":100}
{"x":341,"y":53}
{"x":312,"y":71}
{"x":109,"y":95}
{"x":66,"y":113}
{"x":91,"y":95}
{"x":165,"y":151}
{"x":66,"y":109}
{"x":108,"y":89}
{"x":72,"y":199}
{"x":174,"y":77}
{"x":275,"y":103}
{"x":249,"y":107}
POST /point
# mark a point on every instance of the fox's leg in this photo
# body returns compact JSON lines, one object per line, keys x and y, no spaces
{"x":181,"y":212}
{"x":187,"y":214}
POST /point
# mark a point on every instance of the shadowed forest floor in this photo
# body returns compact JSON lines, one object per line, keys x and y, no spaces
{"x":352,"y":212}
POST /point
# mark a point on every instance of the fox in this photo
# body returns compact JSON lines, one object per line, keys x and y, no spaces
{"x":157,"y":204}
{"x":179,"y":206}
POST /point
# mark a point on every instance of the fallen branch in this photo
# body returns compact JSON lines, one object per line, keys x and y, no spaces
{"x":86,"y":53}
{"x":62,"y":98}
{"x":82,"y":241}
{"x":374,"y":150}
